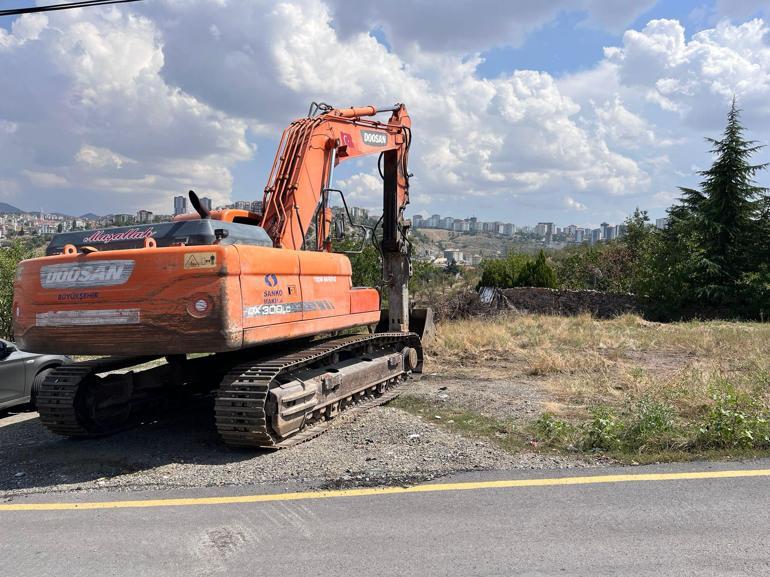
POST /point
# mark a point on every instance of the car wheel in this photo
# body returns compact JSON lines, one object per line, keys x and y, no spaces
{"x":37,"y":383}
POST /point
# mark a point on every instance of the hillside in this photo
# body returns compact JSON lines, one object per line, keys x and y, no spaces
{"x":485,"y":244}
{"x":6,"y":208}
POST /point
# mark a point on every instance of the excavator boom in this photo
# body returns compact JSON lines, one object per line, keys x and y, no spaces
{"x":297,"y":194}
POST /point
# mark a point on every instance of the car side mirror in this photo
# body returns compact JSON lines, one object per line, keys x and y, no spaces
{"x":4,"y":350}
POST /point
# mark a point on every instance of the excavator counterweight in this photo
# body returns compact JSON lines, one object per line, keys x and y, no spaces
{"x":262,"y":294}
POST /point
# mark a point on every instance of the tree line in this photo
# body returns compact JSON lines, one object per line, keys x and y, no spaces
{"x":711,"y":260}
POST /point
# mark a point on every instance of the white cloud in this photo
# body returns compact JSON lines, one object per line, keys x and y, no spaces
{"x":657,"y":94}
{"x":45,"y":179}
{"x":88,"y":110}
{"x":618,"y":125}
{"x":697,"y":78}
{"x":96,"y":157}
{"x":361,"y":189}
{"x":664,"y":198}
{"x":573,"y":204}
{"x":473,"y":137}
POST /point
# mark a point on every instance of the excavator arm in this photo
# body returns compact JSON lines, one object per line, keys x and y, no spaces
{"x":296,"y":196}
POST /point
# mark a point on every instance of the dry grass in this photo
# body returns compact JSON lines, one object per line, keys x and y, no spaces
{"x":582,"y":362}
{"x":626,"y":387}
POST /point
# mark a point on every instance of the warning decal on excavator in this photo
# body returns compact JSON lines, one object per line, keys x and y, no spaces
{"x":200,"y":260}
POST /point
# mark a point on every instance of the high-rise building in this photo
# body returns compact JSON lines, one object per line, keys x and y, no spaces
{"x":460,"y":225}
{"x":180,"y":205}
{"x":206,"y":203}
{"x":418,"y":221}
{"x":359,"y":214}
{"x":661,"y":223}
{"x":122,"y":219}
{"x":545,"y":231}
{"x":256,"y":206}
{"x":605,"y":230}
{"x":143,"y":216}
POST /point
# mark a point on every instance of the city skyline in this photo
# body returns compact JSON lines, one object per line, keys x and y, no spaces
{"x":547,"y":231}
{"x":179,"y":205}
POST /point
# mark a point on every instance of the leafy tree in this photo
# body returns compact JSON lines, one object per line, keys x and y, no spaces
{"x":504,"y":272}
{"x":538,"y":273}
{"x":367,"y":266}
{"x":452,"y":268}
{"x":517,"y":270}
{"x":9,"y":258}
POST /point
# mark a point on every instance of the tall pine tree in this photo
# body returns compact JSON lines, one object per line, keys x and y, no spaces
{"x":714,"y":256}
{"x":725,"y":220}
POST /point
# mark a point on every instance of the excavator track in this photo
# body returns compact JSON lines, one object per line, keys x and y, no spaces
{"x":65,"y":410}
{"x":56,"y":401}
{"x":246,"y":414}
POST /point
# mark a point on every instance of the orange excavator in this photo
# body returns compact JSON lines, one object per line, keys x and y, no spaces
{"x":263,"y":295}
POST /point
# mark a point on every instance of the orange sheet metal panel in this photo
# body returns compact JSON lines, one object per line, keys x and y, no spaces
{"x":184,"y":299}
{"x":326,"y":282}
{"x":270,"y":286}
{"x":130,"y":302}
{"x":364,"y":300}
{"x":288,"y":294}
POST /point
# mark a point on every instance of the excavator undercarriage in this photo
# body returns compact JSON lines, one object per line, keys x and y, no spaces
{"x":271,"y":400}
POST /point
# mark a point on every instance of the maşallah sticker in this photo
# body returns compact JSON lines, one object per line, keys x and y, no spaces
{"x":200,"y":260}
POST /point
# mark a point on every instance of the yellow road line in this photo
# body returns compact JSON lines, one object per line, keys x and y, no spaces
{"x":506,"y":484}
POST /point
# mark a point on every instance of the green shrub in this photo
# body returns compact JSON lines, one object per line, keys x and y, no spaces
{"x":652,"y":426}
{"x":538,"y":273}
{"x":9,"y":258}
{"x":735,"y":420}
{"x":604,"y":432}
{"x":552,"y":430}
{"x":518,"y":270}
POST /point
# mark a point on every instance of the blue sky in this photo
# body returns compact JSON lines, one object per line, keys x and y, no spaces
{"x":573,"y":111}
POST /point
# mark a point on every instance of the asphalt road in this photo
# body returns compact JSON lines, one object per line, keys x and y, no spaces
{"x":538,"y":524}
